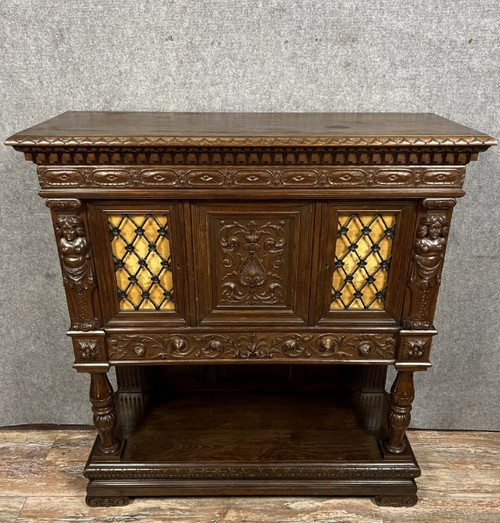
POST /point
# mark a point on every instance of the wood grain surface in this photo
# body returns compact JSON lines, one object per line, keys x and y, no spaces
{"x":41,"y":481}
{"x":247,"y":129}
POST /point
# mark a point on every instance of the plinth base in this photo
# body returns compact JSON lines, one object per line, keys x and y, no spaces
{"x":210,"y":444}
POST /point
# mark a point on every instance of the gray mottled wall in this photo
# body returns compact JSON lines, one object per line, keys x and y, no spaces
{"x":228,"y":55}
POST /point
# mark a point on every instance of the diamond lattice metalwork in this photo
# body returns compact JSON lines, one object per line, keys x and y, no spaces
{"x":141,"y":252}
{"x":363,"y":255}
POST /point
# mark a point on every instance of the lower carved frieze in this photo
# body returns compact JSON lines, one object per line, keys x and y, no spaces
{"x":255,"y":472}
{"x":253,"y":346}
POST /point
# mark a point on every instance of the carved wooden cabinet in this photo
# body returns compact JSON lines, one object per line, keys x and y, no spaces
{"x":251,"y":277}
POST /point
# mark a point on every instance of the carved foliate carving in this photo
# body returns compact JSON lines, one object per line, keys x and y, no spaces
{"x":252,"y":257}
{"x":157,"y":177}
{"x":415,"y":349}
{"x":74,"y":253}
{"x":427,"y":263}
{"x":87,"y":349}
{"x":259,"y":346}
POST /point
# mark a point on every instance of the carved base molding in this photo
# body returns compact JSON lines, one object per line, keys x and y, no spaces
{"x":255,"y":346}
{"x":255,"y":472}
{"x":104,"y":493}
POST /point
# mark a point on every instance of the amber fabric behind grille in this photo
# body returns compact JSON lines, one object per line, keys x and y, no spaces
{"x":141,"y":252}
{"x":362,"y":260}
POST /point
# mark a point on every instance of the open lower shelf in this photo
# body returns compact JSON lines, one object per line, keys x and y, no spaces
{"x":218,"y":443}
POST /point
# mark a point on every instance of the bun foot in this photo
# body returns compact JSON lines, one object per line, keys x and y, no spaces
{"x":110,"y":501}
{"x":396,"y":501}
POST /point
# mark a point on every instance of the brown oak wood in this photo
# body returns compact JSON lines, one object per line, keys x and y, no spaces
{"x":252,"y":203}
{"x":253,"y":129}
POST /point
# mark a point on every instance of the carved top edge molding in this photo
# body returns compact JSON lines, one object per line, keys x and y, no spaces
{"x":250,"y":141}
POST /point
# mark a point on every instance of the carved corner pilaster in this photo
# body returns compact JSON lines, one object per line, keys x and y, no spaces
{"x":75,"y":257}
{"x":431,"y":237}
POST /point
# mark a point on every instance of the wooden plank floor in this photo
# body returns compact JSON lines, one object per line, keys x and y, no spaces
{"x":41,"y":481}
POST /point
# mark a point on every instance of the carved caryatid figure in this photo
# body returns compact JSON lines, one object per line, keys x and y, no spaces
{"x":74,"y":251}
{"x":427,"y":266}
{"x":429,"y":250}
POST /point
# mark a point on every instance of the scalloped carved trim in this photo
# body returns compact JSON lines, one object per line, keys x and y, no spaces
{"x":155,"y":177}
{"x":22,"y":140}
{"x":260,"y":346}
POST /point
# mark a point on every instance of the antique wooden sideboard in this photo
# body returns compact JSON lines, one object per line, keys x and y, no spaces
{"x":251,"y":277}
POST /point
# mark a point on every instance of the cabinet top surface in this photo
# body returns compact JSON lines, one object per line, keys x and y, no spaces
{"x":142,"y":129}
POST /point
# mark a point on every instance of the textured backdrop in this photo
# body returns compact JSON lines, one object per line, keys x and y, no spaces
{"x":268,"y":55}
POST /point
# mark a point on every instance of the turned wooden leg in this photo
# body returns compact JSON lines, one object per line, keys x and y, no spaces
{"x":402,"y":394}
{"x":103,"y":407}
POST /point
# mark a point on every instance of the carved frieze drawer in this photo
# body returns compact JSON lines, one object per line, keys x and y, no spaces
{"x":261,"y":346}
{"x":331,"y":177}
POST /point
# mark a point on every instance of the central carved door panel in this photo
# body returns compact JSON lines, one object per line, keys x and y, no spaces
{"x":252,"y":261}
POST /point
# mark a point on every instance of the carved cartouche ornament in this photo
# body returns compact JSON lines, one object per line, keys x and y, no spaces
{"x":255,"y":254}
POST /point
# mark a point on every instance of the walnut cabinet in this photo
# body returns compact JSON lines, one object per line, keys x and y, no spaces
{"x":251,"y":277}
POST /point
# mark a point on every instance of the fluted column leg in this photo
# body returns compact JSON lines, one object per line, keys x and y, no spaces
{"x":103,"y":407}
{"x":402,"y":394}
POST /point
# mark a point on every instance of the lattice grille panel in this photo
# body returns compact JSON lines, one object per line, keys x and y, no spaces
{"x":141,"y":252}
{"x":363,"y":255}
